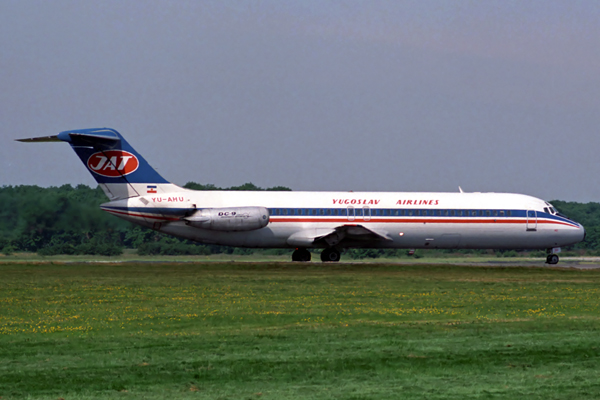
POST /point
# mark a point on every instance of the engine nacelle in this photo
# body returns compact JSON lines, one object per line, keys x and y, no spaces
{"x":229,"y":219}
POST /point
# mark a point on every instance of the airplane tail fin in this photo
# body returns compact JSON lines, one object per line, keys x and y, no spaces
{"x":119,"y":170}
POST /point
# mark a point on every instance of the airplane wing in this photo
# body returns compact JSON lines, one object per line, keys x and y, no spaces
{"x":335,"y":236}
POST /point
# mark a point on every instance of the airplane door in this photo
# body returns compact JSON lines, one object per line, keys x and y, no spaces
{"x":366,"y":213}
{"x":531,"y":220}
{"x":351,"y":213}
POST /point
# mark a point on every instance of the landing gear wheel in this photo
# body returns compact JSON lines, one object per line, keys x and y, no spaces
{"x":301,"y":255}
{"x":330,"y":255}
{"x":552,"y":259}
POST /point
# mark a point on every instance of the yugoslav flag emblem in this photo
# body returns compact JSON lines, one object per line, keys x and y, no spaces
{"x":113,"y":163}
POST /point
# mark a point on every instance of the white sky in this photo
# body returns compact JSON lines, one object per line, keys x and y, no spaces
{"x":342,"y":95}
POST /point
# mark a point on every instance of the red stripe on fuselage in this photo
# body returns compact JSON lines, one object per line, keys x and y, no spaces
{"x":421,"y":221}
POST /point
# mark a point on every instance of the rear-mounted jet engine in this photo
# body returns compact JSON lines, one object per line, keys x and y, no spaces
{"x":229,"y":219}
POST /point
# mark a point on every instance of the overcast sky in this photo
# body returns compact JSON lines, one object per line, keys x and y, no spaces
{"x":371,"y":95}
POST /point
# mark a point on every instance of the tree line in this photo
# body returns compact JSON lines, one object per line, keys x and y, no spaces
{"x":68,"y":220}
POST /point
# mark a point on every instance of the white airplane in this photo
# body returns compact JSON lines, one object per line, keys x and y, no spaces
{"x":332,"y":221}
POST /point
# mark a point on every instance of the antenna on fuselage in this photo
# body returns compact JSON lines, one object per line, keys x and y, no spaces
{"x":460,"y":189}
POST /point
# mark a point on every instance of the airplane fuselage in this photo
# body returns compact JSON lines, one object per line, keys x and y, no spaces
{"x":403,"y":220}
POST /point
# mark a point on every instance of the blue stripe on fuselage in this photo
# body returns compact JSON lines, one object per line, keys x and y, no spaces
{"x":375,"y":213}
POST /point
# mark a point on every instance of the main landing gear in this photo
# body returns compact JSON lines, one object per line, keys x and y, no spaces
{"x":301,"y":255}
{"x":330,"y":255}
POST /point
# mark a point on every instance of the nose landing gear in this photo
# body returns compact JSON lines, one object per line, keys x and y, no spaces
{"x":552,"y":257}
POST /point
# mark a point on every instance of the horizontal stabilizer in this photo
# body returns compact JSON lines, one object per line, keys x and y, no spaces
{"x":40,"y":139}
{"x":105,"y":139}
{"x":97,"y":141}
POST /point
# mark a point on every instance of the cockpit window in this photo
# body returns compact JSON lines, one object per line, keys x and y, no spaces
{"x":553,"y":211}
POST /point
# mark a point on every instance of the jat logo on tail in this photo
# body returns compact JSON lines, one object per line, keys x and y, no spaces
{"x":113,"y":163}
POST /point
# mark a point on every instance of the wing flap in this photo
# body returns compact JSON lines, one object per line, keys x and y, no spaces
{"x":336,"y":236}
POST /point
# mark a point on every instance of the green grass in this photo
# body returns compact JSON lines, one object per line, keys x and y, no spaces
{"x":424,"y":257}
{"x":289,"y":331}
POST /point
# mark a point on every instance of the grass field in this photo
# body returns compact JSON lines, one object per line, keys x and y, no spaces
{"x":289,"y":331}
{"x":425,"y":257}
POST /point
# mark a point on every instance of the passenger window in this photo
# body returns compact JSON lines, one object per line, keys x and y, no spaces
{"x":508,"y":213}
{"x":409,"y":213}
{"x":502,"y":213}
{"x":495,"y":213}
{"x":452,"y":213}
{"x":359,"y":212}
{"x":396,"y":212}
{"x":487,"y":213}
{"x":328,"y":211}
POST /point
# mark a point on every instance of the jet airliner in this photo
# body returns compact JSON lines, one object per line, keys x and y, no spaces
{"x":331,"y":221}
